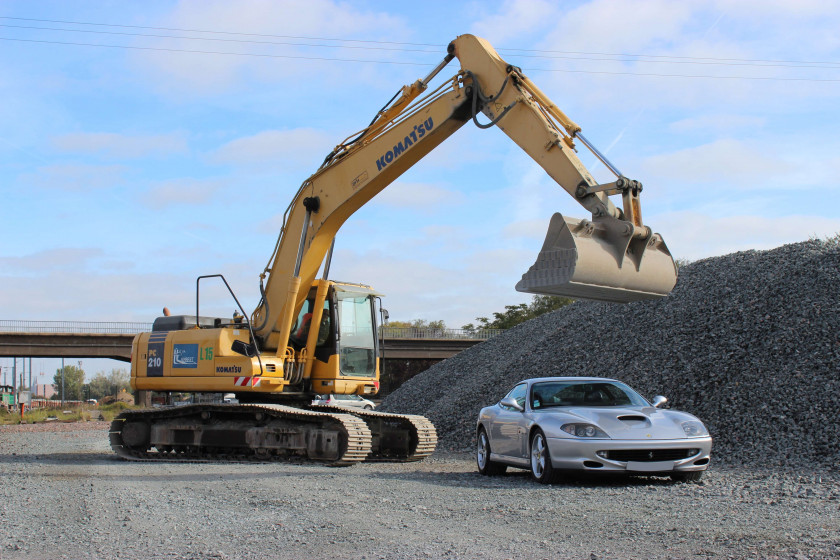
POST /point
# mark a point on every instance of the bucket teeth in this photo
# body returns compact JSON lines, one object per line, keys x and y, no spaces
{"x":600,"y":261}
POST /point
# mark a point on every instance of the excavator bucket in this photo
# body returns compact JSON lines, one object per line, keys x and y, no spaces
{"x":600,"y":260}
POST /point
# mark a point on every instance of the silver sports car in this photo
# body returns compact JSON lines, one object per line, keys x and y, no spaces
{"x":555,"y":424}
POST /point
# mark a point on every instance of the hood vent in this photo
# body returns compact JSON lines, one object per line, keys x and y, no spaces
{"x":632,"y":418}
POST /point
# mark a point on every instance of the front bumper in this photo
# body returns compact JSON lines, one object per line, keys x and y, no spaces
{"x":638,"y":456}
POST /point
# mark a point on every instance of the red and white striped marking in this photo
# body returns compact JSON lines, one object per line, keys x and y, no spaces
{"x":246,"y":381}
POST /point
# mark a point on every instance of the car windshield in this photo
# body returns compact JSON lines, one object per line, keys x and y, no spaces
{"x":588,"y":393}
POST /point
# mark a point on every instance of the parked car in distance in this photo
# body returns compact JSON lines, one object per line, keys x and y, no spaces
{"x":552,"y":425}
{"x":344,"y":400}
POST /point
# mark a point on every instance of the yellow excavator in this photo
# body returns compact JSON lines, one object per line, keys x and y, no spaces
{"x":312,"y":335}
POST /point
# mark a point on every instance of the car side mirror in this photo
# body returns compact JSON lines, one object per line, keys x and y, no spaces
{"x":658,"y":401}
{"x":511,"y":403}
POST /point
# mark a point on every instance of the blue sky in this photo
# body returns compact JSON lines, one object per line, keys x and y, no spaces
{"x":135,"y":156}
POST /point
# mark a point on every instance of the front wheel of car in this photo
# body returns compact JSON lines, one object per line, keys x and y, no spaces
{"x":482,"y":457}
{"x":691,"y":476}
{"x":368,"y":407}
{"x":541,"y":468}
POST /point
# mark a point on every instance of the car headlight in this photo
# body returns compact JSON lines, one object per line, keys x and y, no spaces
{"x":584,"y":430}
{"x":694,"y":429}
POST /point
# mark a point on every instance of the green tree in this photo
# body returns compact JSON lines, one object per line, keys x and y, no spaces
{"x":120,"y":380}
{"x":411,"y":329}
{"x":516,"y":314}
{"x":74,"y":379}
{"x":104,"y":384}
{"x":99,"y":386}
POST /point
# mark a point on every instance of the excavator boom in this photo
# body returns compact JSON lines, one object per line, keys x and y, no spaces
{"x":611,"y":256}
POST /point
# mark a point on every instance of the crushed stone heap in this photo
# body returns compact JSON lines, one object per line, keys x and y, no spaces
{"x":748,"y":342}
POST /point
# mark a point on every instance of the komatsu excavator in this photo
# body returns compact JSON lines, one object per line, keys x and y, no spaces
{"x":312,"y":335}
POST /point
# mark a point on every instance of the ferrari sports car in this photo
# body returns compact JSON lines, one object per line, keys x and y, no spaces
{"x":553,"y":425}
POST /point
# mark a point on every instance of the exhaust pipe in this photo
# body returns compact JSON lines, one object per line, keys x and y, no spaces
{"x":605,"y":259}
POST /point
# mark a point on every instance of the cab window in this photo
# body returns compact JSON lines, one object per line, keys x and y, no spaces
{"x":300,"y":331}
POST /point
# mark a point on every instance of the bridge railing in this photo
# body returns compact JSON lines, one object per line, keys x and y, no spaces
{"x":103,"y":327}
{"x":73,"y":327}
{"x":438,"y":334}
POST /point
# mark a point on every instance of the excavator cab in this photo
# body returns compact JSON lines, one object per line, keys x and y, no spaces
{"x":345,"y":345}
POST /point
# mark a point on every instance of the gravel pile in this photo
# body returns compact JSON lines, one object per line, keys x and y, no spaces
{"x":748,"y":342}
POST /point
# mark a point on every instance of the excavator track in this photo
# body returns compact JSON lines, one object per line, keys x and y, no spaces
{"x":397,"y":438}
{"x":244,"y":432}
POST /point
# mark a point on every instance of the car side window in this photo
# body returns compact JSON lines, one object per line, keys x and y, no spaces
{"x":518,"y":394}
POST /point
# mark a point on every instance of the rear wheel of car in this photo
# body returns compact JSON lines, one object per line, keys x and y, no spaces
{"x":692,"y":476}
{"x":541,"y":468}
{"x":482,"y":457}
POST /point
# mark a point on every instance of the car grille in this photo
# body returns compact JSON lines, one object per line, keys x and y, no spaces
{"x":647,"y":455}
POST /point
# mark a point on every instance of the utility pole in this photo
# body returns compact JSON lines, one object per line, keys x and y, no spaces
{"x":62,"y":382}
{"x":14,"y":380}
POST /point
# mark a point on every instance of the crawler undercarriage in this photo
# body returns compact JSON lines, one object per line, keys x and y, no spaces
{"x":335,"y":436}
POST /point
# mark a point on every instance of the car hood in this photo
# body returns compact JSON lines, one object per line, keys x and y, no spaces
{"x":635,"y":423}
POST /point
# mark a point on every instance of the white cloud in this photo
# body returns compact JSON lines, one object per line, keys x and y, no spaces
{"x":121,"y":146}
{"x":418,"y":196}
{"x":718,"y":122}
{"x":76,"y":177}
{"x":693,"y":235}
{"x":694,"y":32}
{"x":734,"y":162}
{"x":71,"y":295}
{"x":531,"y":229}
{"x":779,"y":10}
{"x":70,"y":258}
{"x":481,"y":283}
{"x":276,"y":148}
{"x":82,"y":284}
{"x":621,"y":26}
{"x":269,"y":29}
{"x":514,"y":19}
{"x":182,"y":191}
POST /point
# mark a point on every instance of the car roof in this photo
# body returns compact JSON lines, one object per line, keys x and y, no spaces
{"x":568,"y":378}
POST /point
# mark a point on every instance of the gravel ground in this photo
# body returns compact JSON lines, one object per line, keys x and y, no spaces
{"x":65,"y":495}
{"x":748,"y":342}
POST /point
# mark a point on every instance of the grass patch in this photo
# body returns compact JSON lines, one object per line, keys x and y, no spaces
{"x":109,"y":411}
{"x":80,"y":414}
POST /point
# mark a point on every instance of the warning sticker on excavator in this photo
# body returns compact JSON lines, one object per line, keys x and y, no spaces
{"x":246,"y":381}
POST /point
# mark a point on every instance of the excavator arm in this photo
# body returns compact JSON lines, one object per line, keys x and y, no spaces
{"x":612,"y":257}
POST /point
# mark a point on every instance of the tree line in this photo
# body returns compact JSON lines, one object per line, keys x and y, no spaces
{"x":102,"y":384}
{"x":509,"y":318}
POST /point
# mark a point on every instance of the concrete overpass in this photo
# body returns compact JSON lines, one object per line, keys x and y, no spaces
{"x":118,"y":346}
{"x":408,"y":351}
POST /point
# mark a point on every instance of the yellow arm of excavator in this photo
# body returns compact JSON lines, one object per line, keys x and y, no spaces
{"x":405,"y":131}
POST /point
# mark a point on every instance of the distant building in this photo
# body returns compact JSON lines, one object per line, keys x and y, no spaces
{"x":44,"y":391}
